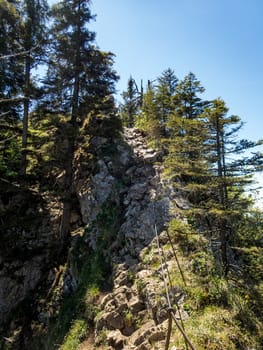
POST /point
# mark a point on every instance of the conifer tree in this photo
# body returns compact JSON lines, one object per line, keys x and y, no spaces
{"x":33,"y":33}
{"x":10,"y":69}
{"x":187,"y":135}
{"x":165,"y":97}
{"x":148,"y":119}
{"x":189,"y":103}
{"x":231,"y":173}
{"x":131,"y":103}
{"x":11,"y":80}
{"x":71,"y":41}
{"x":206,"y":157}
{"x":80,"y":80}
{"x":158,"y":104}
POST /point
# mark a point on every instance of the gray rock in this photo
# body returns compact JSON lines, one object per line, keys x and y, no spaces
{"x":113,"y":320}
{"x":116,"y":339}
{"x":136,"y":305}
{"x":93,"y":193}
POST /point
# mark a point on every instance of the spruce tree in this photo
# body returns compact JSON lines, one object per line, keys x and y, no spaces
{"x":232,"y":171}
{"x":148,"y":119}
{"x":34,"y":15}
{"x":131,"y":103}
{"x":11,"y":80}
{"x":220,"y":201}
{"x":80,"y":82}
{"x":188,"y":97}
{"x":158,"y":103}
{"x":10,"y":53}
{"x":187,"y":135}
{"x":165,"y":97}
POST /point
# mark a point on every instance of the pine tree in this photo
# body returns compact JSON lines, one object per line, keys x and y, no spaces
{"x":165,"y":97}
{"x":80,"y":81}
{"x":32,"y":39}
{"x":11,"y":80}
{"x":230,"y":173}
{"x":131,"y":103}
{"x":187,"y":135}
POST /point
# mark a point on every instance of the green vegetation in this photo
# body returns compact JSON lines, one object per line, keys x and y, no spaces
{"x":79,"y":308}
{"x":204,"y":160}
{"x":223,"y":311}
{"x":213,"y":328}
{"x":75,"y":335}
{"x":47,"y":132}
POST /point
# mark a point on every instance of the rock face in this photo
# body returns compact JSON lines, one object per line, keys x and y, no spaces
{"x":133,"y":315}
{"x":136,"y":183}
{"x":127,"y":182}
{"x":28,"y":232}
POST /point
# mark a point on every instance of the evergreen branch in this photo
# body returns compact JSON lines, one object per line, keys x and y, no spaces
{"x":10,"y":127}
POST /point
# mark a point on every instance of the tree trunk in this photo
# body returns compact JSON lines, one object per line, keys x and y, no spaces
{"x":67,"y":195}
{"x":223,"y":197}
{"x":25,"y":115}
{"x":65,"y":219}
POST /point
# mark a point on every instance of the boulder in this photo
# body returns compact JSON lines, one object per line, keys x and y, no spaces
{"x":116,"y":339}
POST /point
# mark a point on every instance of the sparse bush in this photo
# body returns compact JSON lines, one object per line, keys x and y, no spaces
{"x":187,"y":238}
{"x":76,"y":334}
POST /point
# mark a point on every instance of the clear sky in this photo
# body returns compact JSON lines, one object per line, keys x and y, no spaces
{"x":220,"y":41}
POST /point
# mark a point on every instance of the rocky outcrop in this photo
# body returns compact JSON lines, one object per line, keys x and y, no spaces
{"x":132,"y":179}
{"x":124,"y":199}
{"x":28,"y":233}
{"x":133,"y":315}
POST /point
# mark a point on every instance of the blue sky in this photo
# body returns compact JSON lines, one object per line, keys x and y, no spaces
{"x":221,"y":41}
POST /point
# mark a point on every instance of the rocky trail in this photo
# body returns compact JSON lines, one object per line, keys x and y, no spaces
{"x":133,"y":315}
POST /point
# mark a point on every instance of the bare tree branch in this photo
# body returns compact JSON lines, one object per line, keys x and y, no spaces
{"x":15,"y":55}
{"x":10,"y":183}
{"x":5,"y":113}
{"x":8,"y":139}
{"x":13,"y":99}
{"x":22,"y":53}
